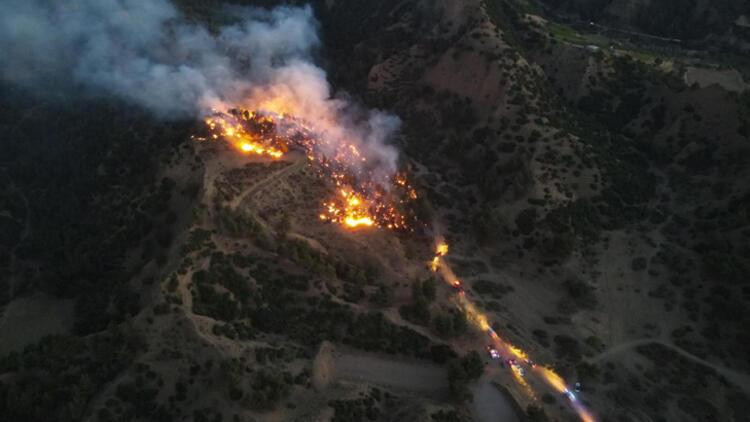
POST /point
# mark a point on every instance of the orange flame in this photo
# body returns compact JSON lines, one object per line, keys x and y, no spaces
{"x":362,"y":202}
{"x":240,"y":138}
{"x":555,"y":381}
{"x":442,"y":249}
{"x":351,"y":209}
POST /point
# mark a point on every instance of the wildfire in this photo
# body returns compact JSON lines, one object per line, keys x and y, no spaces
{"x":440,"y":250}
{"x":255,"y":148}
{"x":360,"y":199}
{"x":351,"y":210}
{"x":473,"y":314}
{"x":237,"y":135}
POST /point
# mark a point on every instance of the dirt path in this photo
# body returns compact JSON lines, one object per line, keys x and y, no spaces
{"x":392,"y":315}
{"x":296,"y":165}
{"x":739,"y":379}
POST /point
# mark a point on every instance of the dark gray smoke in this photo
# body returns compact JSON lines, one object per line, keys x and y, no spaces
{"x":145,"y":52}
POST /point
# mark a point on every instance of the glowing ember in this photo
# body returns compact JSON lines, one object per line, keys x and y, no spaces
{"x":238,"y":135}
{"x":350,"y":209}
{"x":442,"y":249}
{"x":256,"y":148}
{"x":358,"y":221}
{"x":363,"y":200}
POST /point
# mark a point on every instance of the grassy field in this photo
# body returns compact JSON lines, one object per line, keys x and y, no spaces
{"x":565,"y":34}
{"x":568,"y":35}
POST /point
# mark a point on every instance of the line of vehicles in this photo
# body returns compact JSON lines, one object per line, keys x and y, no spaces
{"x":515,"y":365}
{"x":517,"y":361}
{"x":511,"y":362}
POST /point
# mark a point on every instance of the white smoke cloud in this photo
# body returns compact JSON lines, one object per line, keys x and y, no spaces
{"x":146,"y":53}
{"x":143,"y":51}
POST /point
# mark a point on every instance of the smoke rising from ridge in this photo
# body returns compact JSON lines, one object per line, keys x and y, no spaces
{"x":146,"y":53}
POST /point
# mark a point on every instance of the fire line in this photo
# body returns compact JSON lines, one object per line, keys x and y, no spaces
{"x":518,"y":360}
{"x":360,"y":201}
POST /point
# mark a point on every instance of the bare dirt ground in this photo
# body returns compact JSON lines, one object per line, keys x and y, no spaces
{"x":343,"y":366}
{"x":729,"y":79}
{"x":490,"y":405}
{"x":323,"y":366}
{"x":397,"y":374}
{"x":28,"y":319}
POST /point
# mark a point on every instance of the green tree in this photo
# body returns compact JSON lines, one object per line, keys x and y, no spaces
{"x":472,"y":365}
{"x":458,"y":381}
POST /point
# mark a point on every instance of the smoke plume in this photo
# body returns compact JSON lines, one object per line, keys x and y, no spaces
{"x":146,"y":53}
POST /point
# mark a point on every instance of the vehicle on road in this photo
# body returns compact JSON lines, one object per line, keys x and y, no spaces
{"x":516,"y":367}
{"x":494,"y":354}
{"x":458,"y":287}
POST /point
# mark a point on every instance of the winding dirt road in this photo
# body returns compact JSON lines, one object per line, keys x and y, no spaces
{"x":294,"y":166}
{"x":739,"y":379}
